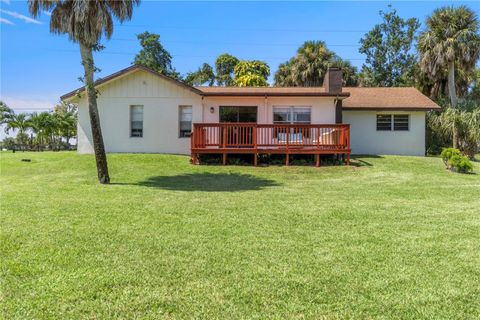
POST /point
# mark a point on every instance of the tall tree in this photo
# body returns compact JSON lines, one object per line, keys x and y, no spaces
{"x":19,"y":122}
{"x":251,"y":73}
{"x":154,"y":56}
{"x":388,"y":47}
{"x":85,"y":22}
{"x":225,"y":69}
{"x":5,"y":112}
{"x":312,"y":61}
{"x":284,"y":74}
{"x":349,"y":71}
{"x":66,"y":121}
{"x":450,"y":42}
{"x":43,"y":125}
{"x":308,"y":67}
{"x":204,"y":75}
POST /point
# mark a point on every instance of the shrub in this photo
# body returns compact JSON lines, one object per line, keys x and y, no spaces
{"x":455,"y":161}
{"x":448,"y":153}
{"x":460,"y":164}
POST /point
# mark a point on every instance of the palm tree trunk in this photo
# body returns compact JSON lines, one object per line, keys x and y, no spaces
{"x":98,"y":146}
{"x":453,"y":97}
{"x":451,"y":83}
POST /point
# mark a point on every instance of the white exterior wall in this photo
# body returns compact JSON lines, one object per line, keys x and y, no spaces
{"x":323,"y":108}
{"x":160,"y":99}
{"x":365,"y":139}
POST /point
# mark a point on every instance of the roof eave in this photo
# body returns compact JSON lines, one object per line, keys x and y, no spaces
{"x":277,"y":94}
{"x":72,"y":94}
{"x":391,"y":109}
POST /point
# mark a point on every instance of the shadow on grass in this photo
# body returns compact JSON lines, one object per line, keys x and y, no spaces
{"x":207,"y":182}
{"x":356,"y":162}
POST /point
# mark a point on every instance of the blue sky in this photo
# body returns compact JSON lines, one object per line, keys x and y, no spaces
{"x":37,"y":67}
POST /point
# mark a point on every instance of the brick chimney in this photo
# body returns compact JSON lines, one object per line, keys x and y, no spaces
{"x":333,"y":80}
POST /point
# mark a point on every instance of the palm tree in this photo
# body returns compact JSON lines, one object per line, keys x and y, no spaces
{"x":467,"y":124}
{"x":67,"y":121}
{"x":312,"y":61}
{"x":85,"y":22}
{"x":42,"y":125}
{"x":450,"y":42}
{"x":308,"y":67}
{"x":349,"y":71}
{"x":283,"y":76}
{"x":19,"y":122}
{"x":66,"y":124}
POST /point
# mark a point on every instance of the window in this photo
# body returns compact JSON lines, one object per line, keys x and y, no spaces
{"x":396,"y":122}
{"x":291,"y":115}
{"x":400,"y":122}
{"x":384,"y":122}
{"x":136,"y":121}
{"x":185,"y":121}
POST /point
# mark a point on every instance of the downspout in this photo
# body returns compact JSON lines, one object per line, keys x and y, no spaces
{"x":203,"y":110}
{"x":265,"y":107}
{"x":338,"y":110}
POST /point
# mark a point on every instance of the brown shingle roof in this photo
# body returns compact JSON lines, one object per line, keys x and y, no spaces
{"x":355,"y":98}
{"x":405,"y":98}
{"x":268,"y":91}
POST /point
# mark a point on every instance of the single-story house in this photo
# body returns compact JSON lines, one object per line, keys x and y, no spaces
{"x":144,"y":111}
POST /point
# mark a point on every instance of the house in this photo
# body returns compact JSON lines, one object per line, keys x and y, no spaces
{"x":144,"y":111}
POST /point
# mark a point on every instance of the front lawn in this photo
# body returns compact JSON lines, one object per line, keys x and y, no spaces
{"x":390,"y":237}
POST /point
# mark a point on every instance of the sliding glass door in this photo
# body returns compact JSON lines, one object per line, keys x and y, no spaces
{"x":237,"y":135}
{"x":238,"y":114}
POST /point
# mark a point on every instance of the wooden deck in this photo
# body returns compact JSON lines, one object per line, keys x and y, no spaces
{"x":253,"y":138}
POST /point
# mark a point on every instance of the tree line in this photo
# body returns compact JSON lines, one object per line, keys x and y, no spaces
{"x":38,"y":131}
{"x":396,"y":55}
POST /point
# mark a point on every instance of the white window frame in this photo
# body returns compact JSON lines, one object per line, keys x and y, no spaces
{"x":131,"y":108}
{"x":180,"y":108}
{"x":291,"y":114}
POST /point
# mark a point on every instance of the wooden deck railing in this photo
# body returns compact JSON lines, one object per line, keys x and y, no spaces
{"x":267,"y":136}
{"x":270,"y":138}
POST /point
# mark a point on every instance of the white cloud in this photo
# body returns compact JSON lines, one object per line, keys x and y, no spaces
{"x":2,"y":20}
{"x":20,"y":16}
{"x":47,"y":13}
{"x":5,"y":1}
{"x":30,"y":104}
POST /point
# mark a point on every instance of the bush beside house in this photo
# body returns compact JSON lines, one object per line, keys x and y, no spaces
{"x":454,"y":160}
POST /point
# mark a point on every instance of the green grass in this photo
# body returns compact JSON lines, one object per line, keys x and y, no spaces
{"x":392,"y":237}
